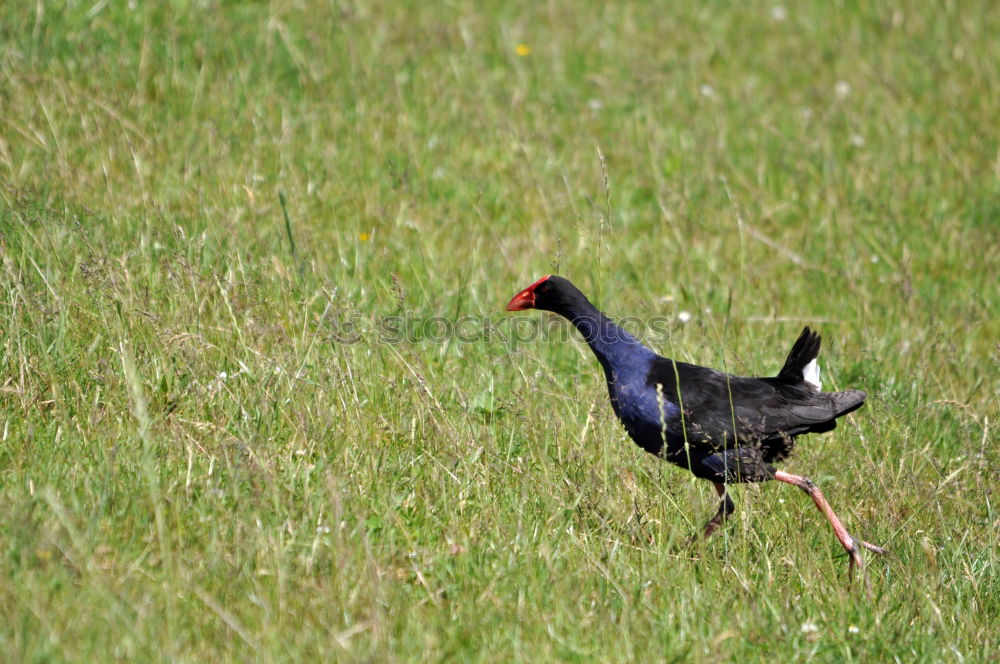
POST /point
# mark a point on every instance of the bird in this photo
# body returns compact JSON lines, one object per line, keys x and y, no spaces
{"x":722,"y":428}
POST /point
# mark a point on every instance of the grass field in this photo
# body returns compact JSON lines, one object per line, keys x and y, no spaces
{"x":216,"y":446}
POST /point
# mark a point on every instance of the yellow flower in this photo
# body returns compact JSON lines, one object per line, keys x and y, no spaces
{"x":522,"y":50}
{"x":364,"y":237}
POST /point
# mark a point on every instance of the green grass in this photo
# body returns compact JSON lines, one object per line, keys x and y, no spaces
{"x":475,"y":500}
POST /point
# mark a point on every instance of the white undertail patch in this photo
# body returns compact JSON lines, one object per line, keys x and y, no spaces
{"x":810,"y":374}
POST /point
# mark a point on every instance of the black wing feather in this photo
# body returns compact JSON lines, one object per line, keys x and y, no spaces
{"x":722,"y":412}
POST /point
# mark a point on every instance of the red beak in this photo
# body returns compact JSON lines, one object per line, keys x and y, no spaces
{"x":523,"y":300}
{"x":526,"y":298}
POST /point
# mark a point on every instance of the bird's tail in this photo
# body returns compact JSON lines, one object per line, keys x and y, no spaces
{"x":801,"y":364}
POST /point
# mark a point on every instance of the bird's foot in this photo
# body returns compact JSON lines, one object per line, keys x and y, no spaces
{"x":855,"y":561}
{"x":871,"y":547}
{"x":693,"y":543}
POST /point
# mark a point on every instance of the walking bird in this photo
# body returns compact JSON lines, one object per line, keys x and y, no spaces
{"x":724,"y":429}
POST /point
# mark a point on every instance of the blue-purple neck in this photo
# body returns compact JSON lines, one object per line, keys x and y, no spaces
{"x":619,"y":352}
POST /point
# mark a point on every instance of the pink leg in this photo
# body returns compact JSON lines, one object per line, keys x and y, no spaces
{"x":849,"y":543}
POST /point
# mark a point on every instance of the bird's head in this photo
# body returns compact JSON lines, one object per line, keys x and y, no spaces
{"x":550,"y":293}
